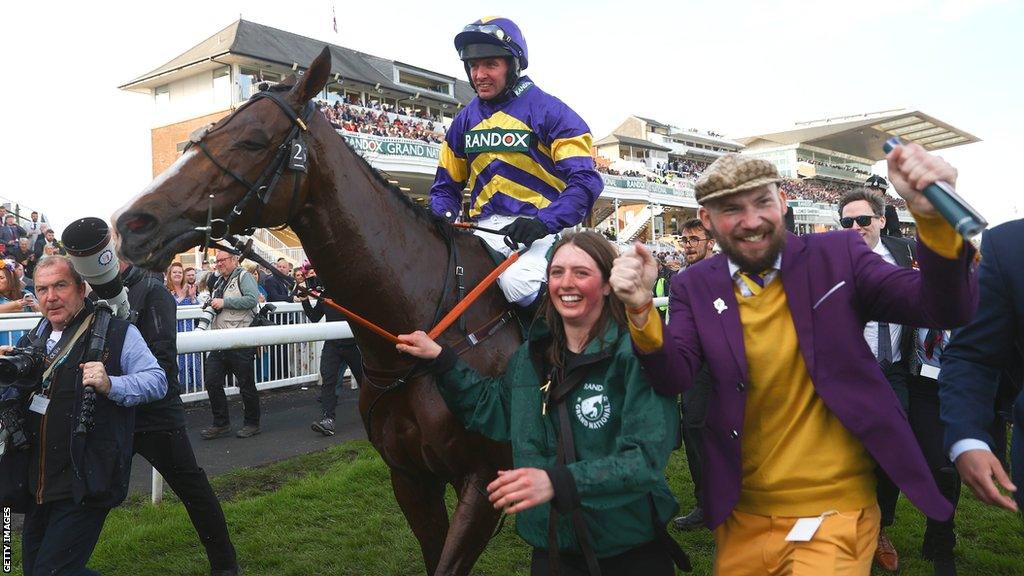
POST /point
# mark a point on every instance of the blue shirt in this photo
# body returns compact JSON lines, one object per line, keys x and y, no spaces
{"x":143,"y":380}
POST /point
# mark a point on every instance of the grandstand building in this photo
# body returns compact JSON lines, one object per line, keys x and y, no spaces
{"x":212,"y":78}
{"x":823,"y":158}
{"x":649,"y":168}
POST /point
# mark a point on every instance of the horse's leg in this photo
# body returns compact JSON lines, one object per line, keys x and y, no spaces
{"x":421,"y":499}
{"x":472,"y":525}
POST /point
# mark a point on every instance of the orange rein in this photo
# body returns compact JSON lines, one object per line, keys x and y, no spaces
{"x":445,"y":322}
{"x":471,"y":297}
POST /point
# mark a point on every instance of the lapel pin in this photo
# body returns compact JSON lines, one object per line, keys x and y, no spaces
{"x":720,"y":306}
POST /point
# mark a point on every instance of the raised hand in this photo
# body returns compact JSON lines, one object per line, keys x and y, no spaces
{"x":912,"y":169}
{"x":633,"y":276}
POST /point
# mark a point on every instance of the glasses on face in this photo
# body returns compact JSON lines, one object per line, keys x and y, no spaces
{"x":220,"y":260}
{"x":693,"y":240}
{"x":862,"y":221}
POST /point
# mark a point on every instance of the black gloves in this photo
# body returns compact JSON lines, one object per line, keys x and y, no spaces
{"x":526,"y":230}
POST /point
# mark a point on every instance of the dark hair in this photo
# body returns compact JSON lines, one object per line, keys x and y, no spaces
{"x":694,"y":224}
{"x":604,"y":253}
{"x":892,"y":222}
{"x":874,"y":199}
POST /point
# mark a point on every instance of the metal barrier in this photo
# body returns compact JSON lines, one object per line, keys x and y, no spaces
{"x":287,"y":354}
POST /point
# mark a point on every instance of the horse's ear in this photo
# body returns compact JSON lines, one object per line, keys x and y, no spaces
{"x":314,"y":80}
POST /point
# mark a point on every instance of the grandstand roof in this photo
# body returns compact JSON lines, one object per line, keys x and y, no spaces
{"x":862,"y":135}
{"x":629,"y":141}
{"x":249,"y":39}
{"x":654,"y":122}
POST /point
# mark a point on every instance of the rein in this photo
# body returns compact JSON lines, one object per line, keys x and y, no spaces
{"x":245,"y":249}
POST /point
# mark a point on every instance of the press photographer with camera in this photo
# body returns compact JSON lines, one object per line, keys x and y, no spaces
{"x":232,"y":302}
{"x":66,"y":479}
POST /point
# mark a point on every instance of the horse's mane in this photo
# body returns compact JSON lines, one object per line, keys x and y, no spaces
{"x":421,"y":212}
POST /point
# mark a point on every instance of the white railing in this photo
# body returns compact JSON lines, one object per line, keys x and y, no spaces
{"x":295,"y":254}
{"x":287,"y":354}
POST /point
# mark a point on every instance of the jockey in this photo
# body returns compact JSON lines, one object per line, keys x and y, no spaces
{"x":523,"y":153}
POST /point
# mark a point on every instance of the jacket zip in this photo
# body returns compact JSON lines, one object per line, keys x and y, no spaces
{"x":42,"y":460}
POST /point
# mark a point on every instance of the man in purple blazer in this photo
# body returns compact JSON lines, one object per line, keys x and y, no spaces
{"x":800,"y":406}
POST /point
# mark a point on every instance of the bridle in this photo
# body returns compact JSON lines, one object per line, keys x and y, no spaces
{"x":292,"y":152}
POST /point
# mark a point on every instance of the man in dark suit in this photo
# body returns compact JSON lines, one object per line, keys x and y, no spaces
{"x":800,"y":407}
{"x":863,"y":210}
{"x":279,"y":289}
{"x":905,"y":355}
{"x":971,"y":366}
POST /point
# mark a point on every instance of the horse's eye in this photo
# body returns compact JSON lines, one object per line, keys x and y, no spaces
{"x":249,"y":144}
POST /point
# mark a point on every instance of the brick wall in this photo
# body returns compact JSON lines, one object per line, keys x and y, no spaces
{"x":166,"y":139}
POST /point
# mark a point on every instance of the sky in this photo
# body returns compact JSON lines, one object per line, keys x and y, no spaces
{"x":74,"y":145}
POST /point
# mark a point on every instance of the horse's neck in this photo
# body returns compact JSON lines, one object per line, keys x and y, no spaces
{"x":373,"y":253}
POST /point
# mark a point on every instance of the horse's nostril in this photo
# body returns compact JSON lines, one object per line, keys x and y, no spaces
{"x":138,"y":223}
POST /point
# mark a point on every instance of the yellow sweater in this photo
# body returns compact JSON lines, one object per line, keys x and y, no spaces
{"x":798,"y":459}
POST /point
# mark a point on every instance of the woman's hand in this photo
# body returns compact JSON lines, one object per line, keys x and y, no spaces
{"x":418,"y":344}
{"x":517,"y":490}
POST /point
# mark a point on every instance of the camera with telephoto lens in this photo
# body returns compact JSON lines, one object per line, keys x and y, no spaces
{"x":20,"y":363}
{"x":206,"y":315}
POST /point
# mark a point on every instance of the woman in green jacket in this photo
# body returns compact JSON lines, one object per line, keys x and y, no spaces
{"x":590,"y":438}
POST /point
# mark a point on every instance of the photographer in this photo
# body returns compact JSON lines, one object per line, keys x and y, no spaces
{"x":233,"y":299}
{"x":66,"y":482}
{"x":160,"y":435}
{"x":334,"y":357}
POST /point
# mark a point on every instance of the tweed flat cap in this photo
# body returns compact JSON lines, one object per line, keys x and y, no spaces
{"x":734,"y":173}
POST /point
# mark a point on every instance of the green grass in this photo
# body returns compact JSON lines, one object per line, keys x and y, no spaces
{"x":332,"y":512}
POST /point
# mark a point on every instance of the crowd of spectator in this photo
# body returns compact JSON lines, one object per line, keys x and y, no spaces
{"x":677,"y":171}
{"x":847,"y":167}
{"x":387,"y":123}
{"x":684,"y":166}
{"x":827,"y":192}
{"x":21,"y":246}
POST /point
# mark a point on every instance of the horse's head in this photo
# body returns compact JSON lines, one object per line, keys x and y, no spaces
{"x":242,"y":172}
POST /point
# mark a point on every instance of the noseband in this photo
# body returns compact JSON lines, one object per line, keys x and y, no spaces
{"x":291,"y":153}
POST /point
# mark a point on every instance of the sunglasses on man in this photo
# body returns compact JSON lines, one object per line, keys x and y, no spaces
{"x":862,"y":221}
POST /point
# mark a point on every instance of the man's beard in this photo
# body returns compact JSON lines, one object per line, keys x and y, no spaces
{"x":697,"y":257}
{"x":777,"y":236}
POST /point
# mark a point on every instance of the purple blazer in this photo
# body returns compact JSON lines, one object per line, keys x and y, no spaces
{"x":834,"y":284}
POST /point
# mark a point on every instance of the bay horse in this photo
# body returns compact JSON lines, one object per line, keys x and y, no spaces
{"x":378,"y":254}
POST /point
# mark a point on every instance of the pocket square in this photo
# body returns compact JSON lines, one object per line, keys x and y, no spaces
{"x":829,"y":293}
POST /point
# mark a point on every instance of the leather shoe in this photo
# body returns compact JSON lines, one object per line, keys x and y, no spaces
{"x":248,"y":431}
{"x":236,"y":571}
{"x":215,"y":432}
{"x":692,"y":521}
{"x":885,"y":555}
